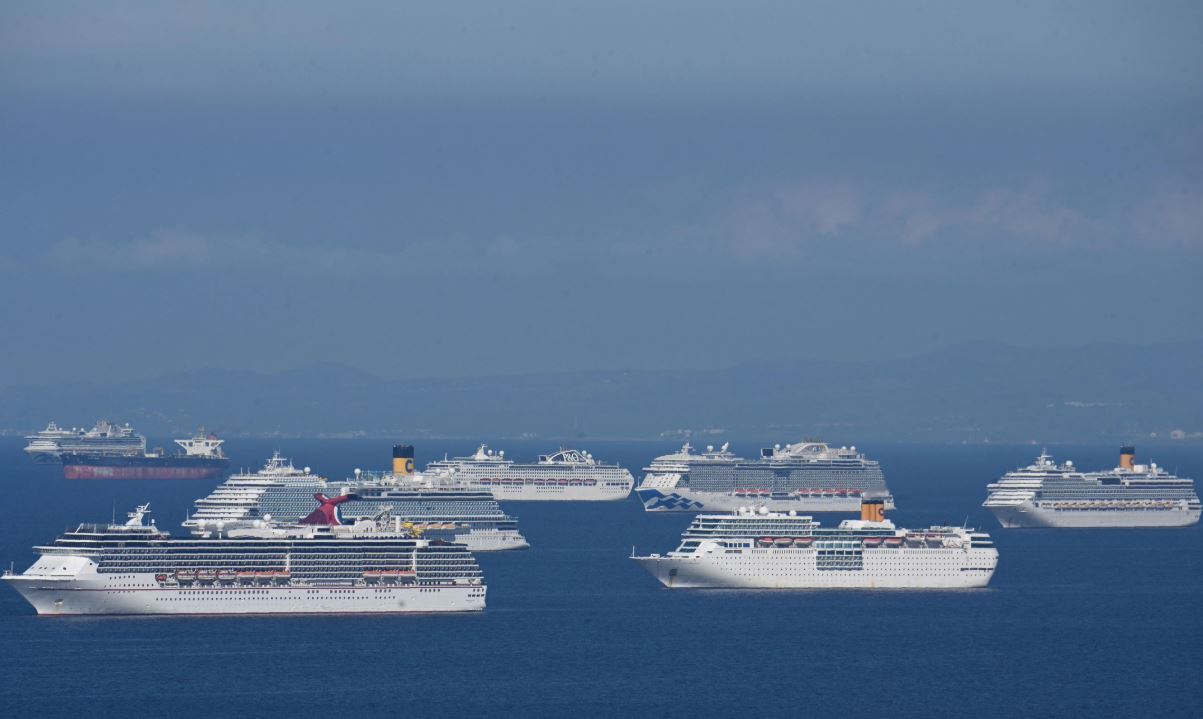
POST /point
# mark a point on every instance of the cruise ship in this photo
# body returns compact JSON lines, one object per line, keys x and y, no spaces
{"x":754,"y":548}
{"x":569,"y":474}
{"x":282,"y":492}
{"x":808,"y":476}
{"x":317,"y":566}
{"x":1047,"y":494}
{"x":104,"y":438}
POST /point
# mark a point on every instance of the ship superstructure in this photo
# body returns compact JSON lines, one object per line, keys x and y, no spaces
{"x":318,"y":566}
{"x":104,"y":438}
{"x":282,"y":492}
{"x":568,"y":474}
{"x":753,"y":547}
{"x":1047,"y":494}
{"x":808,"y":476}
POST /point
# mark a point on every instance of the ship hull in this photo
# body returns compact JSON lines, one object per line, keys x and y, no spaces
{"x":1028,"y":515}
{"x":141,"y":594}
{"x":80,"y":466}
{"x":681,"y":500}
{"x":479,"y":539}
{"x":491,"y":540}
{"x":530,"y":492}
{"x":797,"y":569}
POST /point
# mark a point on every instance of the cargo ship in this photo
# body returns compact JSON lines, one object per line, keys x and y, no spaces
{"x":201,"y":458}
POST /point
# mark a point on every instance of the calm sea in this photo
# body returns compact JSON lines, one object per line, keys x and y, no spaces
{"x":1092,"y":623}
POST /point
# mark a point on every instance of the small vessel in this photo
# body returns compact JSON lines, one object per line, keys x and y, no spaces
{"x":105,"y":437}
{"x":732,"y":550}
{"x":1047,"y":494}
{"x":807,"y":476}
{"x":310,"y":567}
{"x":201,"y":458}
{"x":568,"y":474}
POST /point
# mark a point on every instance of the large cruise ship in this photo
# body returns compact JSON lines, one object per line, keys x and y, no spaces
{"x":1047,"y":494}
{"x":807,"y":476}
{"x":282,"y":492}
{"x":754,"y":548}
{"x":105,"y":438}
{"x":317,"y":566}
{"x":569,"y":474}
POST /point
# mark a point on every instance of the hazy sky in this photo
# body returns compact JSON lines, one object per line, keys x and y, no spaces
{"x":465,"y":188}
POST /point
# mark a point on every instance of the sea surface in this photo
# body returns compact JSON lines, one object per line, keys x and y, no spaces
{"x":1099,"y":623}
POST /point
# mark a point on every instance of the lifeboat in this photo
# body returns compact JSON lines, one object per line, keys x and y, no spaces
{"x":765,"y":541}
{"x":783,"y":542}
{"x":160,"y":578}
{"x":264,"y":576}
{"x":872,"y":541}
{"x":893,"y":542}
{"x":914,"y":540}
{"x":206,"y":575}
{"x":803,"y":541}
{"x":226,"y":575}
{"x":184,"y":575}
{"x":246,"y":576}
{"x":854,"y":493}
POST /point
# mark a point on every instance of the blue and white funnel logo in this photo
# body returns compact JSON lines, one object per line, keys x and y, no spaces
{"x":656,"y":501}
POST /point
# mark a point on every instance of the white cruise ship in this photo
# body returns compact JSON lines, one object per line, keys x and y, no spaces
{"x":282,"y":492}
{"x":808,"y":476}
{"x":568,"y":474}
{"x":1047,"y":494}
{"x":318,"y":566}
{"x":104,"y":438}
{"x":754,"y":548}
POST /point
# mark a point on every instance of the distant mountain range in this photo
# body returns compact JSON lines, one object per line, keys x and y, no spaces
{"x":973,"y":393}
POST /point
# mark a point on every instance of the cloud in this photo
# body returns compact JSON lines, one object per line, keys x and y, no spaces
{"x":163,"y":248}
{"x":178,"y":248}
{"x":805,"y":219}
{"x":1173,"y":215}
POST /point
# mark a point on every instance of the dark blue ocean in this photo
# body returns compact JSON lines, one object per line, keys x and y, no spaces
{"x":1097,"y":623}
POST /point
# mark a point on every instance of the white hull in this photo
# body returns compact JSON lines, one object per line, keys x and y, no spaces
{"x":795,"y":568}
{"x":491,"y":540}
{"x":1029,"y":515}
{"x":141,"y":594}
{"x":684,"y":500}
{"x":530,"y":492}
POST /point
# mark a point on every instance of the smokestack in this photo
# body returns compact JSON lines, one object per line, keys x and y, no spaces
{"x":403,"y":459}
{"x":873,"y":510}
{"x":1127,"y":457}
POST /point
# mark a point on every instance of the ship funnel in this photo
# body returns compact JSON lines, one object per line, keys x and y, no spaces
{"x":1127,"y":457}
{"x":403,"y":459}
{"x":873,"y":510}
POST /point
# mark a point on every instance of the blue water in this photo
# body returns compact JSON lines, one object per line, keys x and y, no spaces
{"x":1104,"y":623}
